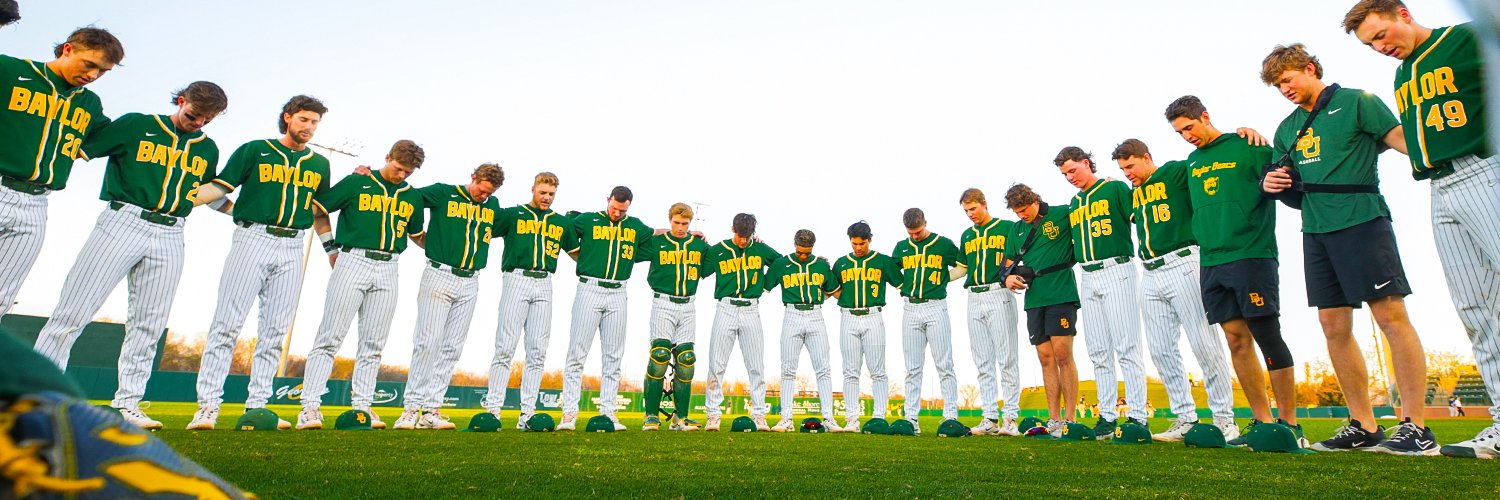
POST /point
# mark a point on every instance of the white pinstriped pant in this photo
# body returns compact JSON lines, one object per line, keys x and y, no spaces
{"x":799,"y":328}
{"x":1112,"y":321}
{"x":1172,"y":298}
{"x":924,"y":325}
{"x":258,"y":265}
{"x":862,"y":338}
{"x":601,"y":310}
{"x":149,"y":257}
{"x":992,"y":335}
{"x":23,"y":226}
{"x":525,"y":308}
{"x":736,"y":324}
{"x":366,"y":287}
{"x":677,"y":323}
{"x":1466,"y":226}
{"x":445,"y":308}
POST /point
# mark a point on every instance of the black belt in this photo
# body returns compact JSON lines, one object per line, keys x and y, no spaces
{"x":147,"y":215}
{"x":369,"y":254}
{"x":1162,"y":261}
{"x":27,"y":187}
{"x":673,"y":298}
{"x":1052,"y":269}
{"x":804,"y":307}
{"x":462,"y":273}
{"x":279,"y":232}
{"x":1100,"y":265}
{"x":982,"y":288}
{"x":864,"y":311}
{"x":741,"y":302}
{"x":601,"y":283}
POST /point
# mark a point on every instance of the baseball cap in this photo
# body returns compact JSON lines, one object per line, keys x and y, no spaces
{"x":742,"y":424}
{"x":952,"y":428}
{"x":1077,"y":432}
{"x":1029,"y":423}
{"x":876,"y":426}
{"x":353,"y":420}
{"x":901,"y":427}
{"x":1039,"y":432}
{"x":1274,"y":438}
{"x":600,"y":423}
{"x":483,"y":422}
{"x":1205,"y":436}
{"x":541,"y":422}
{"x":1128,"y":433}
{"x":811,"y":425}
{"x":257,"y":419}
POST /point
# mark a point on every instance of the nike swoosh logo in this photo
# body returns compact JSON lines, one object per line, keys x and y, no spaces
{"x":22,"y":79}
{"x":1382,"y":285}
{"x":1192,"y":164}
{"x":149,"y":134}
{"x":265,"y":154}
{"x":1335,"y":111}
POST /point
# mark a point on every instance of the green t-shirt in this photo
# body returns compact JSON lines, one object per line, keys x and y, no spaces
{"x":924,"y":266}
{"x":373,"y":213}
{"x":280,"y":185}
{"x":1231,"y":218}
{"x":1051,"y":247}
{"x":534,"y":238}
{"x":676,"y":263}
{"x":607,"y":248}
{"x":458,"y":228}
{"x":741,"y":270}
{"x":984,"y":251}
{"x":801,"y":281}
{"x":1099,"y":218}
{"x":1161,"y":211}
{"x":45,"y":122}
{"x":863,"y":279}
{"x":151,"y":164}
{"x":1440,"y":97}
{"x":1341,"y":147}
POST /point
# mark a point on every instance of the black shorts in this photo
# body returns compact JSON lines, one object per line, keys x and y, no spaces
{"x":1357,"y":264}
{"x":1057,"y":320}
{"x":1247,"y":288}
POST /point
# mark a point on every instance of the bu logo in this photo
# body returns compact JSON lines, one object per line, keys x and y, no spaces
{"x":1119,"y":431}
{"x":1256,"y":299}
{"x":1211,"y":186}
{"x":1064,"y":322}
{"x":360,"y":417}
{"x":1310,"y":145}
{"x":1050,"y":230}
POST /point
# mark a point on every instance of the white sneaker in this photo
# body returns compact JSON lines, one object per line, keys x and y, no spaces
{"x":1484,"y":445}
{"x":408,"y":420}
{"x":521,"y":421}
{"x":1056,"y":428}
{"x":986,"y":427}
{"x":1230,"y":429}
{"x":852,"y":425}
{"x":712,"y":425}
{"x":282,"y":424}
{"x":618,"y":426}
{"x":435,"y":420}
{"x":204,"y":419}
{"x":375,"y":422}
{"x":309,"y":419}
{"x":569,"y":422}
{"x":135,"y":417}
{"x":785,"y":425}
{"x":915,"y":427}
{"x":760,"y":423}
{"x":1176,"y":432}
{"x":1010,"y":427}
{"x":832,"y":424}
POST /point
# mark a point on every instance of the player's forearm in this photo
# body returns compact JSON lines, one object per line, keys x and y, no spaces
{"x":207,"y":194}
{"x":957,"y":272}
{"x":1395,"y":139}
{"x":420,"y":240}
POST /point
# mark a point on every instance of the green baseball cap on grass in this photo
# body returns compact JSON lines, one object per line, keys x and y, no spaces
{"x":1029,"y":423}
{"x":1274,"y":438}
{"x":541,"y":422}
{"x":257,"y":419}
{"x":876,"y":426}
{"x":901,"y":427}
{"x":742,"y":424}
{"x":483,"y":422}
{"x":811,"y":425}
{"x":1128,"y":433}
{"x":353,"y":420}
{"x":1077,"y":432}
{"x":952,"y":428}
{"x":1205,"y":436}
{"x":600,"y":423}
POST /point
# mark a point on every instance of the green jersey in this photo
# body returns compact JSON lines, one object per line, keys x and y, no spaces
{"x":862,"y":280}
{"x":374,"y":214}
{"x":534,"y":238}
{"x":45,"y":123}
{"x":281,"y":185}
{"x":1162,"y":213}
{"x":676,"y":263}
{"x":741,"y":270}
{"x":1050,"y":255}
{"x":1100,"y":217}
{"x":924,"y":266}
{"x":1341,"y":147}
{"x":151,"y":164}
{"x":802,"y":281}
{"x":458,"y":228}
{"x":984,"y":251}
{"x":607,"y":248}
{"x":1231,"y":218}
{"x":1440,"y":97}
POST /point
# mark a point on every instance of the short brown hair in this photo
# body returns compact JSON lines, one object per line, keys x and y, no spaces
{"x":547,"y":178}
{"x":1131,"y":148}
{"x":1187,"y":106}
{"x":1285,"y":58}
{"x":298,"y":104}
{"x":491,"y":173}
{"x":1020,"y":195}
{"x":1074,"y":153}
{"x":913,"y":218}
{"x":743,"y":225}
{"x":680,"y":208}
{"x":93,"y":38}
{"x":621,"y":194}
{"x":804,"y":238}
{"x":407,"y":153}
{"x":971,"y":195}
{"x":206,"y":97}
{"x":1363,"y":9}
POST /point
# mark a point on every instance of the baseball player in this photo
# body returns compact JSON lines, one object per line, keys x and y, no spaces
{"x":992,"y":315}
{"x":608,"y":241}
{"x":377,"y":213}
{"x":281,"y":177}
{"x":1239,"y":281}
{"x":1170,"y":297}
{"x":460,"y":222}
{"x":1340,"y":150}
{"x":1099,"y":218}
{"x":534,"y":237}
{"x":740,"y":263}
{"x":1039,"y":253}
{"x":156,"y":163}
{"x":1440,"y":99}
{"x":928,"y":262}
{"x":45,"y":140}
{"x":676,"y":266}
{"x":862,"y":277}
{"x":806,"y":281}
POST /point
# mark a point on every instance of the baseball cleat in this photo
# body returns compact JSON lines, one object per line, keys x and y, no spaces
{"x":760,"y":423}
{"x":204,"y":419}
{"x":282,"y":424}
{"x":684,"y":424}
{"x":652,"y":423}
{"x":832,"y":424}
{"x":1240,"y":439}
{"x":407,"y":421}
{"x":1010,"y":427}
{"x":133,"y":415}
{"x":785,"y":425}
{"x":309,"y":419}
{"x":375,"y":422}
{"x":1351,"y":436}
{"x":1485,"y":445}
{"x":1176,"y":432}
{"x":1144,"y":424}
{"x":712,"y":425}
{"x":435,"y":420}
{"x":569,"y":422}
{"x":1408,"y":439}
{"x":916,"y":428}
{"x":986,"y":427}
{"x":1230,"y":429}
{"x":1301,"y":437}
{"x":1104,"y":427}
{"x":521,"y":422}
{"x":1055,"y":428}
{"x":853,"y":425}
{"x":618,"y":426}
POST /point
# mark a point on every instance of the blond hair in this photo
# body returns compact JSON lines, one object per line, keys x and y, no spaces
{"x":1391,"y":9}
{"x":971,"y":195}
{"x":1285,"y":58}
{"x":682,"y":209}
{"x":490,"y":172}
{"x":548,"y":178}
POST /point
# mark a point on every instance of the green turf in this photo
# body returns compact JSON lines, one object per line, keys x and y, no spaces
{"x":335,"y":464}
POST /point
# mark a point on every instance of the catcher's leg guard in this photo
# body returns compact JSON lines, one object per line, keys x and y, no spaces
{"x":656,"y":372}
{"x":682,"y":381}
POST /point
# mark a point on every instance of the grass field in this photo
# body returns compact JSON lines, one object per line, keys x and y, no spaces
{"x":337,"y":464}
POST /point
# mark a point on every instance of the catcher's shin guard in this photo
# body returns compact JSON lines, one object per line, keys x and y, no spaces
{"x":656,"y":373}
{"x":682,"y":380}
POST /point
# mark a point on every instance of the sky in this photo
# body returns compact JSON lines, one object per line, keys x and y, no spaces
{"x":807,"y":114}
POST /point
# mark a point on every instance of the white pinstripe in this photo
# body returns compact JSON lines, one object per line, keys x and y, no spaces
{"x":445,"y":308}
{"x":525,"y":308}
{"x":799,"y":328}
{"x":1112,"y":323}
{"x":862,"y":338}
{"x":1171,"y":298}
{"x":674,"y":322}
{"x":149,"y":257}
{"x":258,"y":265}
{"x":23,"y":226}
{"x":601,"y":310}
{"x":992,"y":335}
{"x":922,"y":326}
{"x":736,"y":324}
{"x":1466,"y":226}
{"x":358,"y":286}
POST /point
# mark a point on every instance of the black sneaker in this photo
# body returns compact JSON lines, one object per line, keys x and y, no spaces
{"x":1408,"y":439}
{"x":1240,"y":441}
{"x":1351,"y":437}
{"x":1139,"y":422}
{"x":1104,"y":427}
